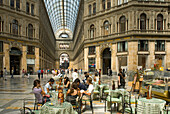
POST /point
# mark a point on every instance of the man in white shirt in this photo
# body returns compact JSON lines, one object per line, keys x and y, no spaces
{"x":75,"y":75}
{"x":48,"y":86}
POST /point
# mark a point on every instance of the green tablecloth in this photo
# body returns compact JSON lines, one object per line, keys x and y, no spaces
{"x":65,"y":108}
{"x":150,"y":106}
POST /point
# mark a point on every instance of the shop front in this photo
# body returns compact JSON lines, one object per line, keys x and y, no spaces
{"x":30,"y":66}
{"x":92,"y":65}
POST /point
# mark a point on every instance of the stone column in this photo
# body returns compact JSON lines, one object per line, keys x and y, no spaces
{"x":132,"y":57}
{"x":6,"y":57}
{"x":23,"y":59}
{"x":71,"y":64}
{"x":151,"y":57}
{"x":97,"y":57}
{"x":37,"y":59}
{"x":167,"y":62}
{"x":113,"y":58}
{"x":58,"y":64}
{"x":86,"y":62}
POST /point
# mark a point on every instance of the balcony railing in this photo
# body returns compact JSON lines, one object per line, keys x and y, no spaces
{"x":17,"y":36}
{"x":131,"y":32}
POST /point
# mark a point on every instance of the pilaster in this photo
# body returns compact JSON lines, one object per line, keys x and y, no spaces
{"x":167,"y":55}
{"x":6,"y":57}
{"x":37,"y":62}
{"x":97,"y":57}
{"x":132,"y":57}
{"x":151,"y":57}
{"x":85,"y":59}
{"x":113,"y":57}
{"x":24,"y":58}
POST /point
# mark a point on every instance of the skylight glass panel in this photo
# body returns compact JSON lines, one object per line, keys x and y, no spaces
{"x":62,"y":16}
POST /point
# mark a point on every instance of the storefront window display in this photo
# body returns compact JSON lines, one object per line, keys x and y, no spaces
{"x":92,"y":65}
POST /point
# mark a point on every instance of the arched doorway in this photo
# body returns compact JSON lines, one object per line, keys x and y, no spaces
{"x":106,"y":60}
{"x":15,"y":57}
{"x":64,"y":61}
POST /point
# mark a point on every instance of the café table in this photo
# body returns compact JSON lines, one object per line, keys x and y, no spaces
{"x":57,"y":85}
{"x":150,"y":106}
{"x":52,"y":108}
{"x":115,"y":94}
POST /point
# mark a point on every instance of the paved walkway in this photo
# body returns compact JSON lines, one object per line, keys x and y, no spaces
{"x":13,"y":91}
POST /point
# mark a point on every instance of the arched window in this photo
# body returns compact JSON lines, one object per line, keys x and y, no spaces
{"x":30,"y":30}
{"x":64,"y":35}
{"x":92,"y":31}
{"x":15,"y":26}
{"x":1,"y":1}
{"x":119,"y":2}
{"x":122,"y":24}
{"x":160,"y":22}
{"x":103,"y":4}
{"x":106,"y":27}
{"x":12,"y":3}
{"x":90,"y":9}
{"x":108,"y":4}
{"x":143,"y":21}
{"x":94,"y":8}
{"x":17,"y":4}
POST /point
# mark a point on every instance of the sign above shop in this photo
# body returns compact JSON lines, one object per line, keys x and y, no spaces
{"x":31,"y":61}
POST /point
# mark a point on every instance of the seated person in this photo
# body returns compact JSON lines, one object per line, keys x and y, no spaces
{"x":85,"y":80}
{"x":73,"y":94}
{"x":81,"y":86}
{"x":66,"y":83}
{"x":39,"y":92}
{"x":96,"y":77}
{"x":74,"y":91}
{"x":90,"y":87}
{"x":48,"y":86}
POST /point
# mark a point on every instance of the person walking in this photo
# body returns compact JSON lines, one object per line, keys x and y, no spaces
{"x":12,"y":72}
{"x":75,"y":75}
{"x":5,"y":73}
{"x":39,"y":72}
{"x":42,"y":73}
{"x":121,"y":79}
{"x":99,"y":73}
{"x":1,"y":73}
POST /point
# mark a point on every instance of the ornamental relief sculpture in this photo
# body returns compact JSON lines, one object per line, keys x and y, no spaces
{"x":104,"y":46}
{"x":15,"y":44}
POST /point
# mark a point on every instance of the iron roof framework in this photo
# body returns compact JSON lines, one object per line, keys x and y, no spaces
{"x":62,"y":13}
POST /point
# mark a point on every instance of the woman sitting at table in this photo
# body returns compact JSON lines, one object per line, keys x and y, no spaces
{"x":74,"y":91}
{"x":39,"y":92}
{"x":49,"y":85}
{"x":66,"y":83}
{"x":73,"y":94}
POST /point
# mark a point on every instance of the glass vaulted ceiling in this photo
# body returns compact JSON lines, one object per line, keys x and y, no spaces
{"x":62,"y":13}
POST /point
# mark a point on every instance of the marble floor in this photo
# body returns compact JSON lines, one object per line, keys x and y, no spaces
{"x":13,"y":91}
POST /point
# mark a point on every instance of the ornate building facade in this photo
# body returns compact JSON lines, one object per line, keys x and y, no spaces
{"x":27,"y":40}
{"x":127,"y":34}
